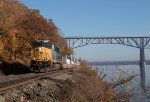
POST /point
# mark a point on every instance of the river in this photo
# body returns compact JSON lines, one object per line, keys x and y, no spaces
{"x":115,"y":72}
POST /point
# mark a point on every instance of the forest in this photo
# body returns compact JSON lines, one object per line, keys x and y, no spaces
{"x":20,"y":26}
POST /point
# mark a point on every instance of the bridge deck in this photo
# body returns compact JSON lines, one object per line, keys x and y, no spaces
{"x":117,"y":63}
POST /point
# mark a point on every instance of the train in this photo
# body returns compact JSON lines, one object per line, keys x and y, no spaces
{"x":45,"y":56}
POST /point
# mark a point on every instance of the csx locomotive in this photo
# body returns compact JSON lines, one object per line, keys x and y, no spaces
{"x":45,"y":56}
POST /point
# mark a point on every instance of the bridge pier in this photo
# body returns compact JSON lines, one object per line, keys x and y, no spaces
{"x":142,"y":65}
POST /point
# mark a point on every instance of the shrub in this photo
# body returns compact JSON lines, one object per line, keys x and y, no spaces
{"x":89,"y":72}
{"x":91,"y":89}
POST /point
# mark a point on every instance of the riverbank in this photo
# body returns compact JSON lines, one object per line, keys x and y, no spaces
{"x":75,"y":86}
{"x":114,"y":72}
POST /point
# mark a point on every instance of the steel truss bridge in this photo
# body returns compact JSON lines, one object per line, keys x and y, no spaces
{"x":116,"y":63}
{"x":136,"y":42}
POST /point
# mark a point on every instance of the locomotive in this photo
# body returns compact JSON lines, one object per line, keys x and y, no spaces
{"x":45,"y":56}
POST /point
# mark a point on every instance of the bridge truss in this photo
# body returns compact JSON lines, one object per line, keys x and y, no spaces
{"x":137,"y":42}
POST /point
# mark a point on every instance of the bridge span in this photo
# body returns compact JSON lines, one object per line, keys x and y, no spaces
{"x":111,"y":63}
{"x":137,"y":42}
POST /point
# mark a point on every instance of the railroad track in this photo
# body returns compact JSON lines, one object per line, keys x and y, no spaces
{"x":27,"y":78}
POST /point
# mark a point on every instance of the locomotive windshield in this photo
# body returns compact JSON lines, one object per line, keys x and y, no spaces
{"x":42,"y":43}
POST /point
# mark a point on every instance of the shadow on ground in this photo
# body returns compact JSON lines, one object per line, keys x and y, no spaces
{"x":14,"y":68}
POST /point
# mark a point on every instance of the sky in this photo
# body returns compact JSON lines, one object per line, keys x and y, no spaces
{"x":99,"y":18}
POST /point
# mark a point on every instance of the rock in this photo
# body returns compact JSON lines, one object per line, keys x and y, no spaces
{"x":43,"y":90}
{"x":63,"y":77}
{"x":2,"y":99}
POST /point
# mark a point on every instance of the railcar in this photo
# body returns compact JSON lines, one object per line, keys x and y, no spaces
{"x":45,"y":56}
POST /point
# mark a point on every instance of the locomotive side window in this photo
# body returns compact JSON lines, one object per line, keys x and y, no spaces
{"x":36,"y":44}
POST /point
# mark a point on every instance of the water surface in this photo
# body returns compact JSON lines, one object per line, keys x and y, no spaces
{"x":114,"y":72}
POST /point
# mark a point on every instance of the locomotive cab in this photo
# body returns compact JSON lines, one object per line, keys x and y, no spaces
{"x":44,"y":56}
{"x":41,"y":50}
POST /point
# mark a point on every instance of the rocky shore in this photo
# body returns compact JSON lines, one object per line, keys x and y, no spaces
{"x":83,"y":85}
{"x":47,"y":89}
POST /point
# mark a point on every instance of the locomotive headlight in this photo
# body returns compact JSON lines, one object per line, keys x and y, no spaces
{"x":40,"y":49}
{"x":45,"y":58}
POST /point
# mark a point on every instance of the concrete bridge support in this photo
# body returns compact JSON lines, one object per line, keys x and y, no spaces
{"x":142,"y":65}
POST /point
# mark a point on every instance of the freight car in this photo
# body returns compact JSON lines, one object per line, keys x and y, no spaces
{"x":45,"y":56}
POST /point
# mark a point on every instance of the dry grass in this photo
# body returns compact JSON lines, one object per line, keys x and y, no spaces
{"x":91,"y":89}
{"x":89,"y":72}
{"x":87,"y":87}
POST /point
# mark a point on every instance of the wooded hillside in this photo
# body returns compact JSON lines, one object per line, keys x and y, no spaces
{"x":19,"y":26}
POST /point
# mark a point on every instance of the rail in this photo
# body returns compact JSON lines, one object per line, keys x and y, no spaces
{"x":26,"y":79}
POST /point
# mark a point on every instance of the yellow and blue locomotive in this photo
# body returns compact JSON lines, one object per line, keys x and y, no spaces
{"x":45,"y":56}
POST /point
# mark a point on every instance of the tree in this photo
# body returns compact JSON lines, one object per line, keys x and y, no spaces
{"x":10,"y":42}
{"x":29,"y":25}
{"x":10,"y":11}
